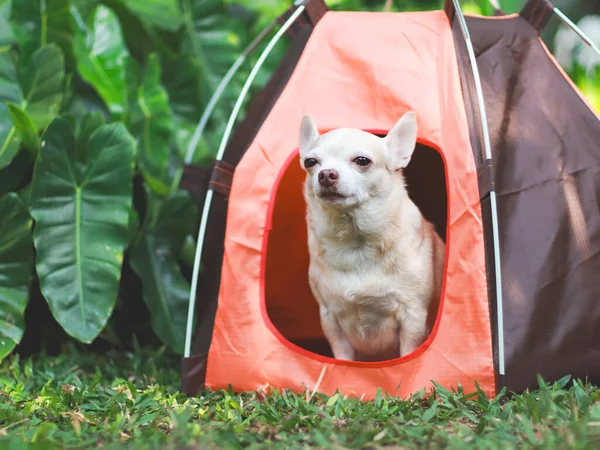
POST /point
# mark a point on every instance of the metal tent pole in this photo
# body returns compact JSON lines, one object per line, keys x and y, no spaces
{"x":209,"y":194}
{"x":493,"y":203}
{"x":584,"y":37}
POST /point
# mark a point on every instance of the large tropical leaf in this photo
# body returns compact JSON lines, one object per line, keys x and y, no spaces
{"x":82,"y":98}
{"x":34,"y":94}
{"x":182,"y":79}
{"x":41,"y":80}
{"x":102,"y":56}
{"x":181,"y":76}
{"x":36,"y":23}
{"x":154,"y":260}
{"x":212,"y":40}
{"x":9,"y":91}
{"x":81,"y":213}
{"x":88,"y":124}
{"x":16,"y":268}
{"x":139,"y":37}
{"x":158,"y":13}
{"x":151,"y":122}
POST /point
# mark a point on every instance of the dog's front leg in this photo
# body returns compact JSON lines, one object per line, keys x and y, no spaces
{"x":340,"y":345}
{"x":413,"y":331}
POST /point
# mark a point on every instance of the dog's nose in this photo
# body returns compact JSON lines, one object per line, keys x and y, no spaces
{"x":328,"y":177}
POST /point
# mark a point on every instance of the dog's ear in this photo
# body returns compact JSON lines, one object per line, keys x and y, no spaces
{"x":401,"y":140}
{"x":308,"y":134}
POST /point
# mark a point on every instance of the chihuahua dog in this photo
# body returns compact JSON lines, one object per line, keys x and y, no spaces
{"x":376,"y":264}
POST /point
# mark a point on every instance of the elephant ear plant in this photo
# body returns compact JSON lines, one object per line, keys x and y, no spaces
{"x":96,"y":98}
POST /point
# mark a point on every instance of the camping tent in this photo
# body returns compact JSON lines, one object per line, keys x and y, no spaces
{"x":506,"y":167}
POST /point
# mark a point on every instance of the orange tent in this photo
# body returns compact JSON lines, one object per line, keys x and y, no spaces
{"x":258,"y":322}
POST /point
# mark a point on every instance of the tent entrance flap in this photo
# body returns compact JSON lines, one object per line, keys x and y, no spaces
{"x":290,"y":305}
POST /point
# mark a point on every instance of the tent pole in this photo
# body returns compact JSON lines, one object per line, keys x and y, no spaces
{"x":569,"y":23}
{"x":493,"y":203}
{"x":209,"y":194}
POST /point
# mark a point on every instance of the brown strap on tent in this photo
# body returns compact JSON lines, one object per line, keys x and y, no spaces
{"x":537,"y":13}
{"x":485,"y":179}
{"x":221,"y":179}
{"x":197,"y":180}
{"x":313,"y":11}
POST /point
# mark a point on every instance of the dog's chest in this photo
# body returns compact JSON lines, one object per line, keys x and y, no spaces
{"x":364,"y":287}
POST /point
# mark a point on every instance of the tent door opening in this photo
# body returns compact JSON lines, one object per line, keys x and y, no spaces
{"x":290,"y":305}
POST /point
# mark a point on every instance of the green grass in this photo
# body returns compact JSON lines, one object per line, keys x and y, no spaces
{"x":81,"y":400}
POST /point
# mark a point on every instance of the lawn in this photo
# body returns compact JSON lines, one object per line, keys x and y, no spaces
{"x":120,"y":400}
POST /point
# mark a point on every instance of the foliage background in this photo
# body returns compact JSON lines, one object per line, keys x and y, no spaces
{"x":97,"y":246}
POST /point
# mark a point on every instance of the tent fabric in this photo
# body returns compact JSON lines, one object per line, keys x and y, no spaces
{"x":258,"y":322}
{"x":544,"y":138}
{"x":194,"y":368}
{"x":389,"y":64}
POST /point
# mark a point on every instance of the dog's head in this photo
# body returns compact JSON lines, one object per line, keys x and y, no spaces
{"x":347,"y":167}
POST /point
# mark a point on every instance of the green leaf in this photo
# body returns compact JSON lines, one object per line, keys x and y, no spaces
{"x":101,"y":56}
{"x":266,"y":11}
{"x":212,"y":41}
{"x":36,"y":23}
{"x":17,"y":174}
{"x":42,"y":81}
{"x":582,"y":399}
{"x":595,"y":411}
{"x":24,"y":126}
{"x":81,"y":98}
{"x":182,"y":78}
{"x":430,"y":413}
{"x":16,"y":268}
{"x":203,"y":152}
{"x":25,"y":194}
{"x":150,"y":121}
{"x":36,"y":90}
{"x":154,"y":260}
{"x":332,"y":400}
{"x":163,"y":14}
{"x":89,"y":123}
{"x":188,"y":251}
{"x":9,"y":91}
{"x":81,"y":214}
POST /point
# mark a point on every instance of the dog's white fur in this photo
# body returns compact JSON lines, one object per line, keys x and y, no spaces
{"x":376,"y":264}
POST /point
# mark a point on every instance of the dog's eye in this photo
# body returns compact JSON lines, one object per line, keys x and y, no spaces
{"x":310,"y":162}
{"x":362,"y":161}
